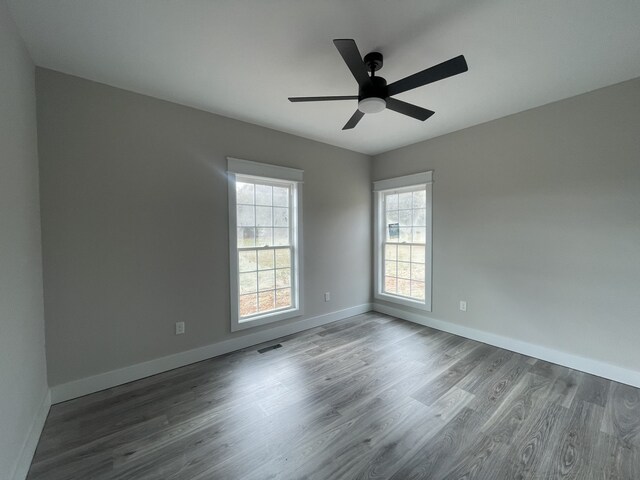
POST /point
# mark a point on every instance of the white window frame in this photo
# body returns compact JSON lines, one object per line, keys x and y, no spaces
{"x":266,"y":172}
{"x":388,"y":186}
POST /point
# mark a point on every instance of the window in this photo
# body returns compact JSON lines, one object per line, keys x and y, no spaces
{"x":264,"y":225}
{"x":403,"y":240}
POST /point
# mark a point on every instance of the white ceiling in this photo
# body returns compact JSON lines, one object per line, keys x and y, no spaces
{"x":243,"y":58}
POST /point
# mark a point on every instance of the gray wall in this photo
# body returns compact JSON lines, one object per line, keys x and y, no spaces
{"x":23,"y":383}
{"x":134,"y":219}
{"x":537,"y":223}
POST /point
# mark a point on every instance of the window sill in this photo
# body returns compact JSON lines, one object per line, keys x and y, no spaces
{"x":277,"y":316}
{"x":407,"y":302}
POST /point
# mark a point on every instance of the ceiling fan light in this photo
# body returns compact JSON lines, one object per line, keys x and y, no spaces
{"x":372,"y":105}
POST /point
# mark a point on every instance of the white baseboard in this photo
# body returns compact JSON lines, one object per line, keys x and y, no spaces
{"x":588,"y":365}
{"x":23,"y":462}
{"x":95,"y":383}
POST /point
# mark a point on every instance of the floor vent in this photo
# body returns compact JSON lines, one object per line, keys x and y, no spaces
{"x":272,"y":347}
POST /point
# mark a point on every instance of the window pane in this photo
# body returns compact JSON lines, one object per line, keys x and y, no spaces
{"x":246,"y":216}
{"x":283,"y":298}
{"x":283,"y":258}
{"x":390,"y":252}
{"x":280,"y":217}
{"x":264,"y":234}
{"x":420,"y":199}
{"x":390,"y":284}
{"x":391,"y":201}
{"x":404,"y":253}
{"x":417,"y":290}
{"x":244,"y":192}
{"x":404,"y":218}
{"x":404,"y":200}
{"x":283,"y":277}
{"x":266,"y":280}
{"x":247,"y":261}
{"x":390,"y":269}
{"x":281,"y":236}
{"x":248,"y":283}
{"x":417,"y":271}
{"x":404,"y":287}
{"x":263,"y":217}
{"x":393,"y":232}
{"x":266,"y":301}
{"x":404,"y":270}
{"x":246,"y":237}
{"x":263,"y":194}
{"x":405,"y":234}
{"x":265,"y":259}
{"x":281,"y":196}
{"x":419,"y":217}
{"x":248,"y":304}
{"x":264,"y":237}
{"x":417,"y":254}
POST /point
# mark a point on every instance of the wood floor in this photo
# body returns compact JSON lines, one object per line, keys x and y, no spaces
{"x":370,"y":397}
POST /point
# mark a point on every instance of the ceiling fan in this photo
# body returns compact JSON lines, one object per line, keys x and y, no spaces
{"x":374,"y":95}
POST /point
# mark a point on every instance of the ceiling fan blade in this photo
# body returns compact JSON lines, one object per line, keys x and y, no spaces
{"x":322,"y":99}
{"x":351,"y":56}
{"x":409,"y":109}
{"x":432,"y":74}
{"x":353,"y":121}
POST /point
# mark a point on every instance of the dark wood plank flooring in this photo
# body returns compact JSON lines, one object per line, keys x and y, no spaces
{"x":367,"y":397}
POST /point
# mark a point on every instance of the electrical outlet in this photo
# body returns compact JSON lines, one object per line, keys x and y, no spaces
{"x":179,"y":328}
{"x":463,"y":305}
{"x":327,"y":296}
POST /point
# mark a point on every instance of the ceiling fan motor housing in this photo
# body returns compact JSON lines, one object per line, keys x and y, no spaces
{"x":372,"y":94}
{"x":376,"y":88}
